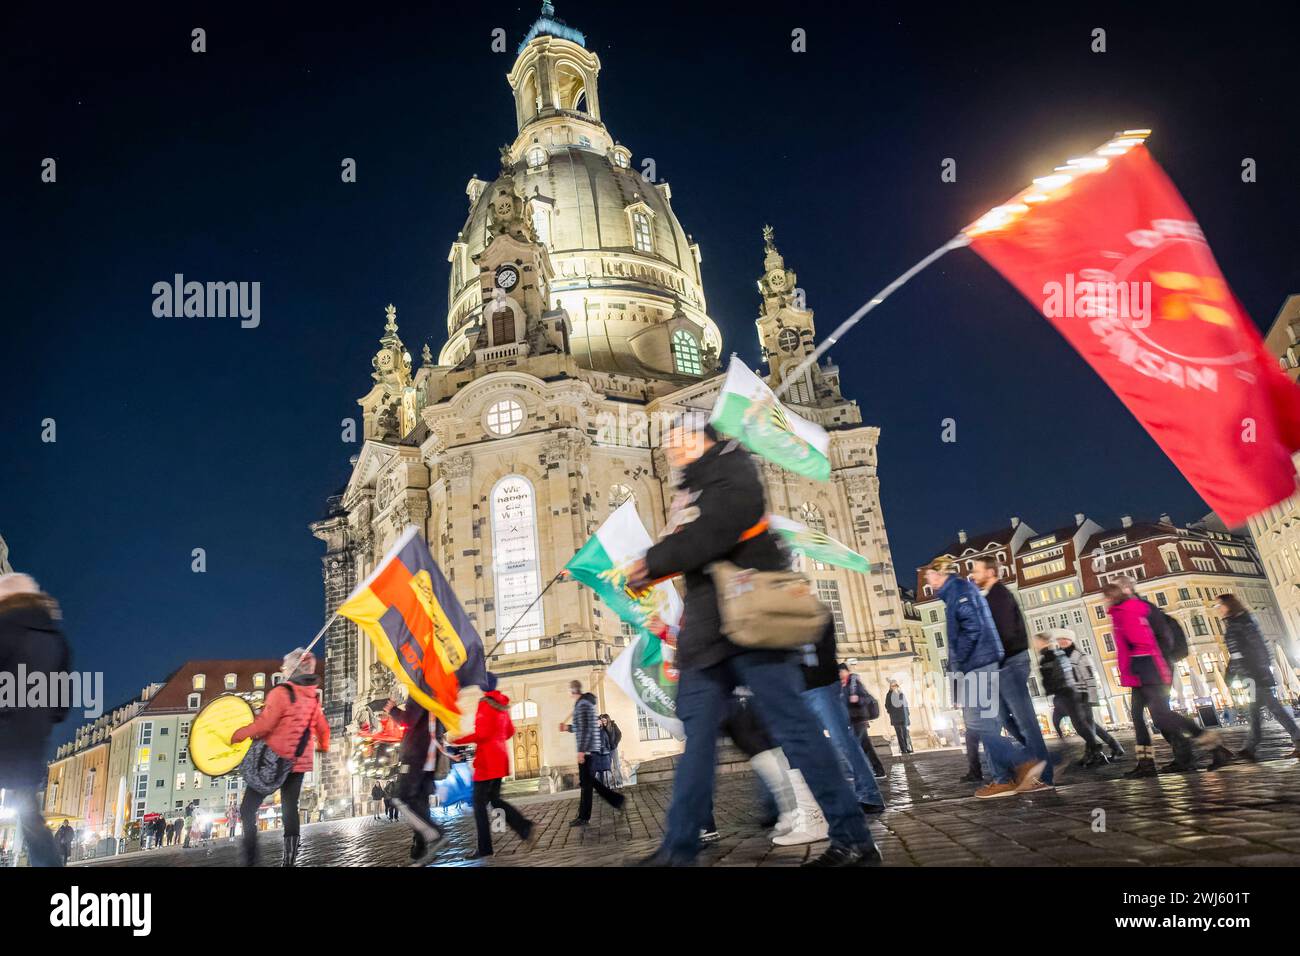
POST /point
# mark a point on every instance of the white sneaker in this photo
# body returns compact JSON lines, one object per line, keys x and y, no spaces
{"x":808,"y":828}
{"x":785,"y":823}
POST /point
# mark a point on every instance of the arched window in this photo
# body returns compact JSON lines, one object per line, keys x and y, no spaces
{"x":642,"y":236}
{"x":542,"y":224}
{"x":686,"y":353}
{"x":619,"y":494}
{"x":503,"y":326}
{"x":571,"y":88}
{"x":516,"y":572}
{"x":528,"y":96}
{"x":536,"y":157}
{"x":800,"y":391}
{"x":523,"y":710}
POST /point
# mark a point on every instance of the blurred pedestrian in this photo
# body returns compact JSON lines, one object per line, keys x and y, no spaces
{"x":288,"y":721}
{"x":1017,"y":705}
{"x":65,"y":838}
{"x":975,"y":658}
{"x":589,"y":744}
{"x":492,"y":728}
{"x":613,"y":737}
{"x":863,"y":708}
{"x":30,"y":640}
{"x":1089,"y":687}
{"x":1144,"y":670}
{"x":718,"y":512}
{"x":1058,"y":681}
{"x":825,"y":699}
{"x":414,"y":785}
{"x":1248,"y":657}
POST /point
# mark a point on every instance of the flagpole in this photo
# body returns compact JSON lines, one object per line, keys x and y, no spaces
{"x":522,"y":616}
{"x":321,"y":632}
{"x":956,"y":242}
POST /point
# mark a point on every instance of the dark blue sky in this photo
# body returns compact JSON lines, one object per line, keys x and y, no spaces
{"x":182,"y":433}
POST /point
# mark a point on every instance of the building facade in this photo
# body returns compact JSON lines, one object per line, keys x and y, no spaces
{"x":1276,"y":530}
{"x":577,"y":325}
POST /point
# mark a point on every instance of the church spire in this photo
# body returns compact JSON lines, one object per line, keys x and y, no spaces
{"x":392,"y":363}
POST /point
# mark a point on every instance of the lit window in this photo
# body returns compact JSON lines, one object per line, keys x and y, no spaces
{"x":536,"y":157}
{"x":231,"y":680}
{"x":542,"y":226}
{"x":259,"y":681}
{"x":504,"y":416}
{"x":621,"y":159}
{"x":524,"y":710}
{"x":686,"y":353}
{"x":200,"y":682}
{"x":642,"y":239}
{"x":829,"y":593}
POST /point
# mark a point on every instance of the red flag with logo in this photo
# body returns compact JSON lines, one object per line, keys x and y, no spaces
{"x":1112,"y":256}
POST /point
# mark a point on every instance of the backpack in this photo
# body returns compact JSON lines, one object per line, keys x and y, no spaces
{"x":1169,"y":635}
{"x":264,"y":770}
{"x":873,"y":705}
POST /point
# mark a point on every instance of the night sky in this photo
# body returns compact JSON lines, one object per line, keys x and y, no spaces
{"x":174,"y":434}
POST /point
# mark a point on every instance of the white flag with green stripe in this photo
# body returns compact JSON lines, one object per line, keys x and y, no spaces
{"x":817,"y":545}
{"x":747,"y":410}
{"x":644,"y":670}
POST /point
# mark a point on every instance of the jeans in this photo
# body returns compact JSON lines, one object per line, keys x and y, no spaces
{"x":1265,"y":700}
{"x":827,"y":705}
{"x":1071,"y":706}
{"x":1003,"y":754}
{"x":776,"y":683}
{"x":588,"y":782}
{"x":42,"y":848}
{"x":288,"y":806}
{"x":489,"y":792}
{"x":1013,"y":688}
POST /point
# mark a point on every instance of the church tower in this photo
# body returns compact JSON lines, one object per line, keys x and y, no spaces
{"x":786,"y":333}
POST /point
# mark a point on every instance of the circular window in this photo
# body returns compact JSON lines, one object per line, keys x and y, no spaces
{"x":504,"y":416}
{"x":536,"y":157}
{"x":788,"y":340}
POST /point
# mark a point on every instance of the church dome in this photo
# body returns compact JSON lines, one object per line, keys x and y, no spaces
{"x":624,"y":269}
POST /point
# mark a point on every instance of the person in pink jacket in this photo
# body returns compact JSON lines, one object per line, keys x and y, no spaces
{"x":291,"y":708}
{"x":1142,"y":667}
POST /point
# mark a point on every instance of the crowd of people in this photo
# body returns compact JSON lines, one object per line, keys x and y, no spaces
{"x":799,"y":715}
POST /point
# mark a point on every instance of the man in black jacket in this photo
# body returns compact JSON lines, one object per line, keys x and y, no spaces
{"x":719,"y":513}
{"x":29,"y":639}
{"x":1017,"y":706}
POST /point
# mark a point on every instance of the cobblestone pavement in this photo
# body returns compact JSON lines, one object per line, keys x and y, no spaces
{"x":1241,"y":815}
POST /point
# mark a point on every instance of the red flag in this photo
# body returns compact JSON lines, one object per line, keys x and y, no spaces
{"x":1109,"y":252}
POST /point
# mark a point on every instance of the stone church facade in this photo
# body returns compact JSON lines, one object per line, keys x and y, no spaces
{"x":576,"y":325}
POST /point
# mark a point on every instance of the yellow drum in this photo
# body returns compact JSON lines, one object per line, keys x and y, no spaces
{"x":211,"y":751}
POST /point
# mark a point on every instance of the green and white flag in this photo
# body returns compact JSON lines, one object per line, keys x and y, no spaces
{"x":644,"y":670}
{"x":747,"y":410}
{"x":817,"y":545}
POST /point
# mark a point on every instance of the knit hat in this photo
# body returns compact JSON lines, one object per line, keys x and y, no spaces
{"x":298,"y":662}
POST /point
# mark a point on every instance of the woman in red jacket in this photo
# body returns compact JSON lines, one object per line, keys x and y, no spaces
{"x":291,"y":709}
{"x":492,"y":728}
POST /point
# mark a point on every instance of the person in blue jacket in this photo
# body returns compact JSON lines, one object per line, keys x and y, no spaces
{"x":974,"y":661}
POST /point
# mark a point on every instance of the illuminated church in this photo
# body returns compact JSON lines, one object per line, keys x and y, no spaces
{"x":576,"y":323}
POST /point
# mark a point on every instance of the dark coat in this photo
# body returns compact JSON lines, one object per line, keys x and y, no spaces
{"x":29,"y":636}
{"x":860,"y":709}
{"x":721,"y":497}
{"x":820,"y":665}
{"x":1056,"y":672}
{"x":1008,"y":620}
{"x":896,"y":707}
{"x":414,"y":752}
{"x":1247,"y":651}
